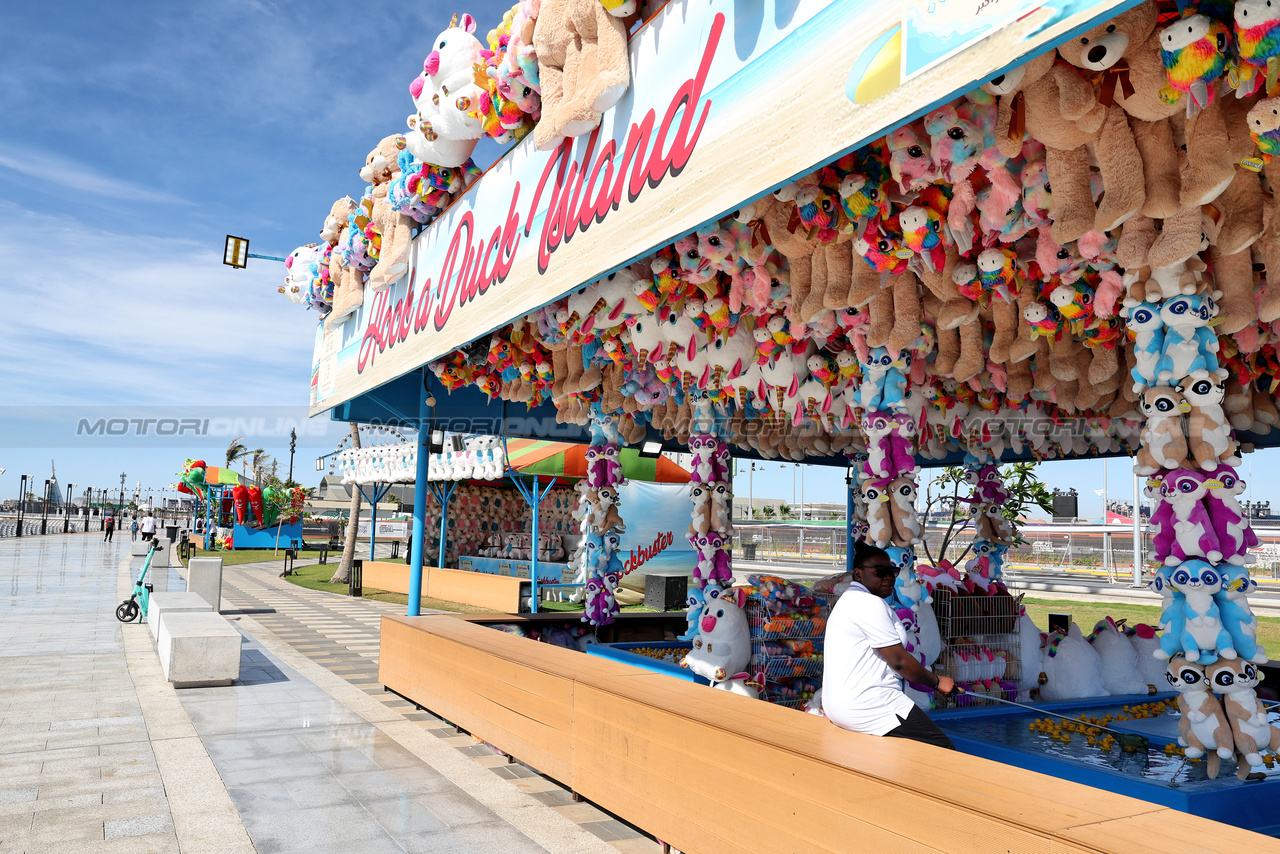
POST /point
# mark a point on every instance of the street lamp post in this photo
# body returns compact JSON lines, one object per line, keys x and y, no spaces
{"x":44,"y":508}
{"x":22,"y":500}
{"x":293,"y":444}
{"x":122,"y":479}
{"x":70,"y":503}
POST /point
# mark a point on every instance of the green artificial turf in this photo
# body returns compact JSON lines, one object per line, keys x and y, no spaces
{"x":1086,"y":614}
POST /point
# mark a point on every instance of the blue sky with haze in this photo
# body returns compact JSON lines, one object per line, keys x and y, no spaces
{"x":135,"y":137}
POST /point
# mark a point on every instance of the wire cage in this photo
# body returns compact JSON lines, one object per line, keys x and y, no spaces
{"x":983,"y":649}
{"x":786,"y":649}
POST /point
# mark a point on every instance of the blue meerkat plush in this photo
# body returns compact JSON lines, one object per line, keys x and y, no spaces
{"x":1147,"y":330}
{"x":1189,"y":341}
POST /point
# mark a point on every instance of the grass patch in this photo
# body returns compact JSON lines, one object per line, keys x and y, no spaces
{"x":572,"y":607}
{"x":1086,"y":614}
{"x":238,"y":556}
{"x":316,"y":577}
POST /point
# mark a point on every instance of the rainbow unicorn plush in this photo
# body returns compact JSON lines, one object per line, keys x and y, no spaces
{"x":1257,"y":36}
{"x":1194,"y":51}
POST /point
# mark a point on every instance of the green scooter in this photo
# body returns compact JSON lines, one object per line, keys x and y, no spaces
{"x":129,"y":609}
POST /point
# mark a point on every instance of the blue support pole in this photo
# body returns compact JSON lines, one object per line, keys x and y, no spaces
{"x":848,"y":528}
{"x":533,"y":495}
{"x":420,"y":488}
{"x":446,"y":492}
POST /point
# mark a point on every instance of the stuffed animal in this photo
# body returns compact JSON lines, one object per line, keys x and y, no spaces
{"x":1193,"y":536}
{"x":722,"y":648}
{"x":1235,"y":613}
{"x":902,"y":509}
{"x":443,"y":131}
{"x":1189,"y":343}
{"x":875,"y":496}
{"x":1203,"y":729}
{"x":1120,"y":674}
{"x":1203,"y":634}
{"x":1164,"y":445}
{"x":1147,"y":331}
{"x":697,"y":598}
{"x":1251,"y":728}
{"x":1208,"y":433}
{"x":1257,"y":43}
{"x":1235,"y":535}
{"x":583,"y":67}
{"x":1072,"y":668}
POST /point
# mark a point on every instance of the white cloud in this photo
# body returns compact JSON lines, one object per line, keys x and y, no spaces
{"x":63,"y":172}
{"x":99,"y":316}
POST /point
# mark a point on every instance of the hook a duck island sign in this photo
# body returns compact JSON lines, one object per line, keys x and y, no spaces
{"x":728,"y":100}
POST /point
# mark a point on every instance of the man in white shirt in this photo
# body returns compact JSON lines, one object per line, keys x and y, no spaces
{"x":148,"y":527}
{"x":865,"y":661}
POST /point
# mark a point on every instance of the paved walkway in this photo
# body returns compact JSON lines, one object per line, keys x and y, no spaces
{"x":304,"y":753}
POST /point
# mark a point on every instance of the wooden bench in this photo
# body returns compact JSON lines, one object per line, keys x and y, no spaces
{"x":712,"y":772}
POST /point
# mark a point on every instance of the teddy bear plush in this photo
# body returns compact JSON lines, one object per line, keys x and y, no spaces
{"x":1128,"y":47}
{"x":583,"y":67}
{"x":396,"y":229}
{"x":1059,"y":109}
{"x":346,"y":271}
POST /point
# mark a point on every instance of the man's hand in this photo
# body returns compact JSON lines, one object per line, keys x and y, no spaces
{"x":946,"y":685}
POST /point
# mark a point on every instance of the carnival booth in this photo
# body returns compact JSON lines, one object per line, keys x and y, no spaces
{"x":490,"y":500}
{"x":236,"y":515}
{"x":878,"y":236}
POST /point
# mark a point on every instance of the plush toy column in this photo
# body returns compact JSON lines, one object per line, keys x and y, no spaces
{"x":888,"y":486}
{"x":711,"y":529}
{"x":601,"y":520}
{"x":1201,"y":533}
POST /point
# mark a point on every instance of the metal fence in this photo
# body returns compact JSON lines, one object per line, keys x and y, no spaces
{"x":1103,"y":552}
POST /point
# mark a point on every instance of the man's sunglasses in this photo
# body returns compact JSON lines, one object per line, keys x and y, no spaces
{"x":883,"y":571}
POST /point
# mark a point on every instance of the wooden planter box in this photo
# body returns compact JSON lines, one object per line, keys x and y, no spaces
{"x":711,"y":772}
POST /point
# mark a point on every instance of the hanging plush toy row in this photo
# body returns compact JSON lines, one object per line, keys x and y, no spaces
{"x":550,"y":67}
{"x":601,"y":524}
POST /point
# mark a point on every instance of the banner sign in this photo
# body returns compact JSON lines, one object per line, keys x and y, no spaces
{"x":657,"y":537}
{"x":548,"y":573}
{"x":729,"y":98}
{"x":385,"y":530}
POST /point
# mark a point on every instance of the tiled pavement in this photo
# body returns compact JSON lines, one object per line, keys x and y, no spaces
{"x":341,"y":634}
{"x":99,"y":753}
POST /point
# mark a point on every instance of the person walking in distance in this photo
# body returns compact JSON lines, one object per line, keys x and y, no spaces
{"x":108,"y":528}
{"x":133,"y":529}
{"x":148,"y":527}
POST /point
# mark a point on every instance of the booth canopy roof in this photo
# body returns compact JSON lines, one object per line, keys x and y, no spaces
{"x":564,"y":459}
{"x":215,"y":475}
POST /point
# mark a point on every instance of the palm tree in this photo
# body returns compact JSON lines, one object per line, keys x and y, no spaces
{"x":259,"y":463}
{"x":768,"y":511}
{"x":784,"y":510}
{"x":236,"y":450}
{"x":343,"y":573}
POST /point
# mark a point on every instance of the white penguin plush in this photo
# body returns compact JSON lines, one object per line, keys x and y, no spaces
{"x":722,"y":647}
{"x":930,"y":636}
{"x":1073,"y":668}
{"x":1119,"y":661}
{"x":1145,"y":642}
{"x":1029,"y":655}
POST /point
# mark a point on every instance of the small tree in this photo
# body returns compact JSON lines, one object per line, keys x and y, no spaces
{"x":1020,"y":480}
{"x":784,"y":511}
{"x":768,"y":511}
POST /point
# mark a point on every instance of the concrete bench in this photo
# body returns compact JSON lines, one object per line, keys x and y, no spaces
{"x":172,"y":603}
{"x":197,"y":649}
{"x":204,"y":577}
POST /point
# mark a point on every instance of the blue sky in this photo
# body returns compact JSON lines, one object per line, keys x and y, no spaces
{"x":133,"y":142}
{"x":134,"y":139}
